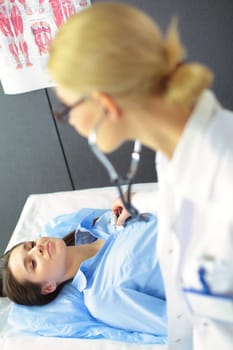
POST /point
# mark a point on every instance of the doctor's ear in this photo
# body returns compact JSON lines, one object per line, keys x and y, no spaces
{"x":48,"y":288}
{"x":109,"y":104}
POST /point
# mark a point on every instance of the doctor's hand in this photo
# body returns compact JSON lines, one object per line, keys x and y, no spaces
{"x":119,"y":210}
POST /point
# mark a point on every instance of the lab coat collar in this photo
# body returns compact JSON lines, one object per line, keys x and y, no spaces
{"x":185,"y":171}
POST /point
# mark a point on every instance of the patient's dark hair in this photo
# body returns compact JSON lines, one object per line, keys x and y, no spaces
{"x":26,"y":293}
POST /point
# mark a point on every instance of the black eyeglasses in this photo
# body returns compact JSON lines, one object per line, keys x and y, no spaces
{"x":63,"y":116}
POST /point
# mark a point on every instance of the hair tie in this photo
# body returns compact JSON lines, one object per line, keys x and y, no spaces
{"x":167,"y":77}
{"x":173,"y":71}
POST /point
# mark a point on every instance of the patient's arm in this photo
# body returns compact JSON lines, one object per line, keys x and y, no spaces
{"x":131,"y":310}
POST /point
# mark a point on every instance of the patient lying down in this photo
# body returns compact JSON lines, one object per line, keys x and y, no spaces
{"x":116,"y":271}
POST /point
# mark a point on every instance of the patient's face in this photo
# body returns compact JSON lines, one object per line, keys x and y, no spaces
{"x":42,"y":261}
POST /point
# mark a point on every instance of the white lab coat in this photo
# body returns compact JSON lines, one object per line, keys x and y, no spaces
{"x":195,"y":212}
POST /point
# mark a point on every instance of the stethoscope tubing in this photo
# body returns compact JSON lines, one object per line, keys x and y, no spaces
{"x":115,"y":178}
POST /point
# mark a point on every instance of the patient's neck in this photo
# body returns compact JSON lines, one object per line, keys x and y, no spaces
{"x":77,"y":254}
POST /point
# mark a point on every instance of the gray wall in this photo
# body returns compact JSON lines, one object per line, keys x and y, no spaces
{"x":31,"y":159}
{"x":39,"y":156}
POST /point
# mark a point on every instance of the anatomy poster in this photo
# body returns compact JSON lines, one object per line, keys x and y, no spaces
{"x":26,"y":30}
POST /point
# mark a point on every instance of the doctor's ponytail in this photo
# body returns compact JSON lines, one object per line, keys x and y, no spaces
{"x":186,"y":80}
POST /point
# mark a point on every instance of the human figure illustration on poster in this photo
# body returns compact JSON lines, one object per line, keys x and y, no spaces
{"x":42,"y":36}
{"x":27,"y":28}
{"x":62,"y":10}
{"x":11,"y":26}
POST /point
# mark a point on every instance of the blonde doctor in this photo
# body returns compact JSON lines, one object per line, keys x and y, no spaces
{"x":113,"y":68}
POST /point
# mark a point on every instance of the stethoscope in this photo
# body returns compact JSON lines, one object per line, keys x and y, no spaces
{"x":115,"y":178}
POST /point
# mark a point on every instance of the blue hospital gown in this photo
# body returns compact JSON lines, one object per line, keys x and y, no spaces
{"x":122,"y":284}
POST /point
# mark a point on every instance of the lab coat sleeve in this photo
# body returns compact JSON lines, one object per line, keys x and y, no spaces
{"x":132,"y":310}
{"x":146,"y":202}
{"x":161,"y":164}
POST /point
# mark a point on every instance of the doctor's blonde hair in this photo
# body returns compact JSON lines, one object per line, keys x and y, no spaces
{"x":117,"y":49}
